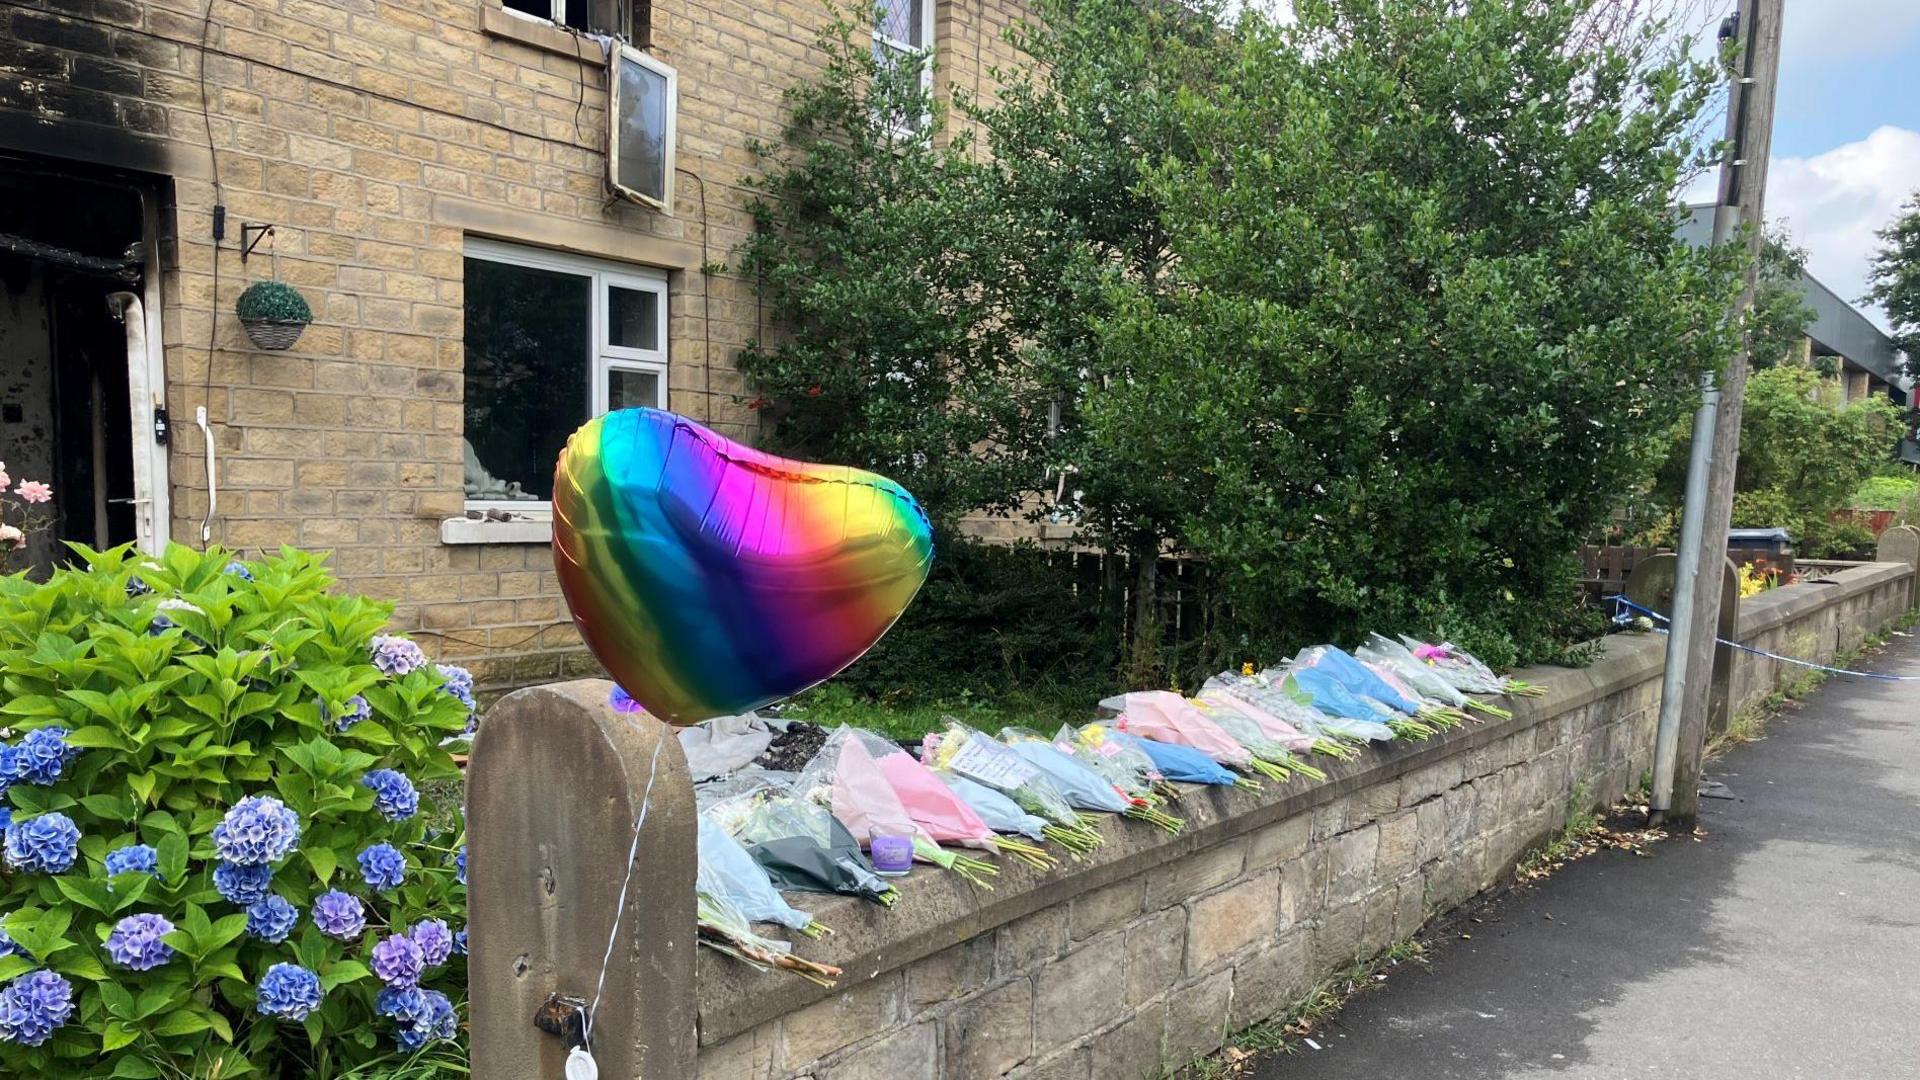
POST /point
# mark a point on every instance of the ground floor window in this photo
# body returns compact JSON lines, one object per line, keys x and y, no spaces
{"x":551,"y":340}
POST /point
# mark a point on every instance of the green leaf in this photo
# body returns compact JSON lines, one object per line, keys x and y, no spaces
{"x":12,"y":966}
{"x":142,"y":785}
{"x":344,"y":972}
{"x":324,"y":862}
{"x":118,"y":1033}
{"x":181,"y":1022}
{"x":134,"y":1068}
{"x":110,"y":807}
{"x":91,"y":737}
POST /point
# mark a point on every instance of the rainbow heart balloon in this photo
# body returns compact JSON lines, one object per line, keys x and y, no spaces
{"x":709,"y":578}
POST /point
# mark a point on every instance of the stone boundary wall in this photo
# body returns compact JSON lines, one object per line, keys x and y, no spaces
{"x":1156,"y":948}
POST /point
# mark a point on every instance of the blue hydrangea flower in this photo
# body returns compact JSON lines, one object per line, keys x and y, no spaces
{"x":242,"y":885}
{"x":460,"y":942}
{"x":137,"y":588}
{"x":460,"y":865}
{"x":403,"y":1005}
{"x":8,"y":946}
{"x":434,"y":939}
{"x":339,"y":915}
{"x":458,"y":683}
{"x":353,"y":710}
{"x":161,"y":624}
{"x":258,"y":830}
{"x":272,"y":919}
{"x":238,"y":569}
{"x":6,"y":813}
{"x":396,"y":656}
{"x":133,"y":859}
{"x":439,"y":1023}
{"x":47,"y":844}
{"x":41,"y":755}
{"x":398,"y":961}
{"x":135,"y":942}
{"x":383,"y":867}
{"x":288,"y":991}
{"x":33,"y":1006}
{"x":393,"y":794}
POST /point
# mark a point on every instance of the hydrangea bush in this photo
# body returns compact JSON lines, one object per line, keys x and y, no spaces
{"x":222,"y":857}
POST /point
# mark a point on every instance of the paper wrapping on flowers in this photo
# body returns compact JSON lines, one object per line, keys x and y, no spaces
{"x":1000,"y":813}
{"x":966,"y":752}
{"x":1383,"y":652}
{"x":1175,"y":762}
{"x":1353,"y":676}
{"x":1163,"y":716}
{"x":726,"y":870}
{"x":719,"y":746}
{"x":1456,"y":665}
{"x":1084,"y":788}
{"x":1130,"y":771}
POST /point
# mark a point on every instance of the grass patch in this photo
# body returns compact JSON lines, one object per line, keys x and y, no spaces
{"x":910,"y":718}
{"x":1568,"y":843}
{"x":1282,"y":1034}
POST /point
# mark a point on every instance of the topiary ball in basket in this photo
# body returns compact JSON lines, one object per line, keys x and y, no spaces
{"x":274,"y":314}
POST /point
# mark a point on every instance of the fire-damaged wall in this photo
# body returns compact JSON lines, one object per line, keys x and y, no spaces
{"x":381,"y":137}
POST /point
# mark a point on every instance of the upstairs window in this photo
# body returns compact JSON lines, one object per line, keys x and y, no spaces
{"x":629,"y":19}
{"x":903,"y":35}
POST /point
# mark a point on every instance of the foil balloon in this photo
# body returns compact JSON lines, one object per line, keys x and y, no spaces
{"x":709,"y":578}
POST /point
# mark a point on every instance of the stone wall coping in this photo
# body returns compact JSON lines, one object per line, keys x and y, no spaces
{"x":1777,"y":607}
{"x":937,"y":910}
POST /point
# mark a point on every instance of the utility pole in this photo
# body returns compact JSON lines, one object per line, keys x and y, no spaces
{"x":1687,"y":681}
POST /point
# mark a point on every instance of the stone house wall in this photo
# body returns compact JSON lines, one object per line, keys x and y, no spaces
{"x":379,"y":136}
{"x":1157,"y":948}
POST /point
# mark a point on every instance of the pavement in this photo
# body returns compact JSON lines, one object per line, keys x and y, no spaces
{"x":1783,"y":944}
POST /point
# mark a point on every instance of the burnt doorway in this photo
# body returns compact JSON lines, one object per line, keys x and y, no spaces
{"x":75,"y":270}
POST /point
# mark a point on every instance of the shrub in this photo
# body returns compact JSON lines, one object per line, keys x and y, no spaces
{"x":203,"y":753}
{"x":273,"y":301}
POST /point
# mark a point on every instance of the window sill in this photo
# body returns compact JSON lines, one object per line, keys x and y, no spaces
{"x":496,"y":21}
{"x":524,"y":530}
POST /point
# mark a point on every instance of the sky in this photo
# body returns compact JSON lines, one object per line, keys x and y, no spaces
{"x":1846,"y":136}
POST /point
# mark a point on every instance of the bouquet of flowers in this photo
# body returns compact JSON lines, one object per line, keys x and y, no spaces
{"x":941,"y":815}
{"x":1001,"y":814}
{"x":1367,"y":686}
{"x":962,"y":750}
{"x":1335,"y":735}
{"x":1465,"y":671}
{"x":801,"y":845}
{"x":845,"y":778}
{"x":729,"y":873}
{"x":1175,"y":762}
{"x":724,"y":928}
{"x":1084,"y":786}
{"x":1163,"y":716}
{"x":1131,"y":772}
{"x":1248,"y":732}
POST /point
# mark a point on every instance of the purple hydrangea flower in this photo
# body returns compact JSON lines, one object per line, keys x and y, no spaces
{"x":288,"y":991}
{"x":434,"y":939}
{"x":383,"y":867}
{"x":622,"y":702}
{"x":393,"y":794}
{"x":458,"y":683}
{"x":238,"y":569}
{"x":133,"y":859}
{"x":396,"y":656}
{"x":460,"y":865}
{"x":41,"y":755}
{"x":9,"y":766}
{"x":32,"y":1006}
{"x":258,"y":830}
{"x":398,"y":961}
{"x":242,"y":885}
{"x":460,"y":942}
{"x":352,"y":711}
{"x":43,"y":845}
{"x":8,"y":946}
{"x":339,"y":915}
{"x":272,"y":919}
{"x":135,"y":942}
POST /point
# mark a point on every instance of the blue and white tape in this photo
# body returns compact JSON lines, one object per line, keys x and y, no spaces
{"x":1622,"y":617}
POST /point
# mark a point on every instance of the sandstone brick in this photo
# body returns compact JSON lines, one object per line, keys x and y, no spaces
{"x":1353,"y":858}
{"x":844,"y":1019}
{"x":1155,"y":948}
{"x":1132,"y":1049}
{"x":1230,"y":921}
{"x":1196,"y":873}
{"x":1073,"y":1064}
{"x":1269,"y":982}
{"x":992,"y":1033}
{"x":1337,"y":939}
{"x":911,"y":1053}
{"x":1399,"y":849}
{"x":1074,"y":994}
{"x":1197,"y":1018}
{"x":1104,"y":909}
{"x":747,"y":1056}
{"x":1279,"y":842}
{"x":950,"y":973}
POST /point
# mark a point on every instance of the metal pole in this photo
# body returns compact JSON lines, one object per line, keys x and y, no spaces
{"x":1716,"y":435}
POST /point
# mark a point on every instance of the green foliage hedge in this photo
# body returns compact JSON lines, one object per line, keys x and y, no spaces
{"x":172,"y":689}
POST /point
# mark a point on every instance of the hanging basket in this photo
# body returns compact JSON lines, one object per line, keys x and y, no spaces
{"x":274,"y":313}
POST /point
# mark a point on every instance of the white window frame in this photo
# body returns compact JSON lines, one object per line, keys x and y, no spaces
{"x":915,"y":130}
{"x":616,"y":57}
{"x":556,"y":13}
{"x":605,"y":358}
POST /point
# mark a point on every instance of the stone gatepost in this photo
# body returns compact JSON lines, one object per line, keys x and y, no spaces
{"x":554,"y":788}
{"x":1651,"y":586}
{"x":1901,"y":544}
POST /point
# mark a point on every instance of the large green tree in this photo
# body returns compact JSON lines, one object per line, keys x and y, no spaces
{"x":1432,"y":315}
{"x":1895,"y":277}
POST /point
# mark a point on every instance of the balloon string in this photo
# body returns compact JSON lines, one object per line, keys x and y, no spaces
{"x":613,"y":935}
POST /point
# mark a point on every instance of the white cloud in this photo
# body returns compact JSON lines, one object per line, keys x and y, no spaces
{"x":1834,"y":202}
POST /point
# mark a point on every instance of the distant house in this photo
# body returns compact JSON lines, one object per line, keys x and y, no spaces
{"x":489,"y":260}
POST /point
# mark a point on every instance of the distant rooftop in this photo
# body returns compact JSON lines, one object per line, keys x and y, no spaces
{"x":1839,"y":329}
